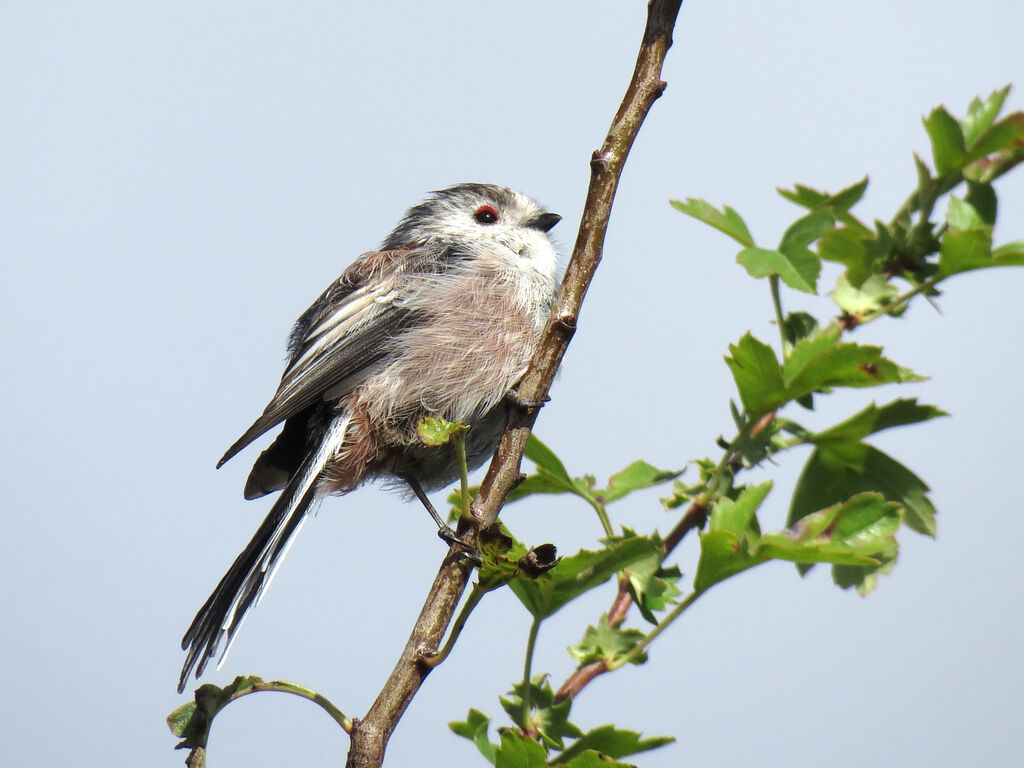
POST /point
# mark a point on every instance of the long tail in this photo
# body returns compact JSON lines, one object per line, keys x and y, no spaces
{"x":253,"y":570}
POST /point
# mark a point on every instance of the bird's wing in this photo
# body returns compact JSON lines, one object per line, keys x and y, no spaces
{"x":339,"y":338}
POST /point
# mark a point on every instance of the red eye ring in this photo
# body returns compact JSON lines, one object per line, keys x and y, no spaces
{"x":486,"y":215}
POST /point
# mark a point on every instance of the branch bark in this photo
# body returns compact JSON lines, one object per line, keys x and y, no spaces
{"x":371,"y":733}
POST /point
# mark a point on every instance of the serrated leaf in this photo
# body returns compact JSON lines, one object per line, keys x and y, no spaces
{"x":545,"y":458}
{"x":736,"y":516}
{"x":838,"y":470}
{"x":726,"y":220}
{"x":807,"y":229}
{"x":729,"y":545}
{"x":180,"y":718}
{"x":874,"y":293}
{"x":1011,"y":254}
{"x":962,"y":215}
{"x":577,"y":574}
{"x":635,"y":477}
{"x":1006,"y":135}
{"x":517,"y":751}
{"x":980,"y":115}
{"x":864,"y":577}
{"x":551,"y":475}
{"x":798,"y":325}
{"x":966,"y":250}
{"x":722,"y":554}
{"x":846,"y":246}
{"x":548,"y":719}
{"x":804,"y":196}
{"x":611,"y":742}
{"x":653,"y":588}
{"x":873,"y":419}
{"x":982,"y":198}
{"x":433,"y":431}
{"x":475,"y":729}
{"x":947,"y":141}
{"x":849,"y":533}
{"x":797,"y":267}
{"x":607,"y":643}
{"x":592,"y":759}
{"x":820,"y":361}
{"x":757,"y":374}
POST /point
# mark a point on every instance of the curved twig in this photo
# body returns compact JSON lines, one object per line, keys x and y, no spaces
{"x":371,"y":733}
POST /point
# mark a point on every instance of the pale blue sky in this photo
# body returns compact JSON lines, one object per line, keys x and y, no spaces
{"x":178,"y":180}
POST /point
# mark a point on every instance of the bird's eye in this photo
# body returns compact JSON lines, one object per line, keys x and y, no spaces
{"x":485,"y":215}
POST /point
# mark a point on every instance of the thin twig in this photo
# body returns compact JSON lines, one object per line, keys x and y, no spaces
{"x":370,"y":734}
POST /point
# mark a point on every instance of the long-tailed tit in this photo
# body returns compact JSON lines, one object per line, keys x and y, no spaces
{"x":441,"y":321}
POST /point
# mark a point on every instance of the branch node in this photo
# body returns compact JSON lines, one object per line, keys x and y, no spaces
{"x":525,"y":403}
{"x":598,"y":161}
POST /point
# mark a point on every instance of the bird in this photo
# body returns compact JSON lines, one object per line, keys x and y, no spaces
{"x":440,"y":321}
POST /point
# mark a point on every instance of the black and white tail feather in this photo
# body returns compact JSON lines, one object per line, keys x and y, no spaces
{"x":253,"y":570}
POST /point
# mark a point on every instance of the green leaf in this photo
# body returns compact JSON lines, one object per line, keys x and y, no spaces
{"x":873,"y":419}
{"x":806,"y":230}
{"x":636,"y":476}
{"x":548,"y":719}
{"x":545,"y":458}
{"x":962,"y":215}
{"x":726,"y":220}
{"x":729,"y":545}
{"x":757,"y":374}
{"x":846,"y":246}
{"x":517,"y":751}
{"x":798,"y":325}
{"x":815,"y":362}
{"x":653,"y":585}
{"x":433,"y":431}
{"x":1006,"y":135}
{"x":837,"y":470}
{"x":874,"y":293}
{"x":981,"y":115}
{"x":1011,"y":254}
{"x":722,"y":555}
{"x":550,"y":477}
{"x":178,"y":721}
{"x":849,"y":533}
{"x":475,"y":729}
{"x":864,"y":577}
{"x":947,"y":140}
{"x":612,"y":742}
{"x":820,"y":361}
{"x":592,"y":759}
{"x":797,"y":267}
{"x":607,"y":643}
{"x":966,"y":250}
{"x":982,"y":198}
{"x":579,"y":573}
{"x":736,"y":516}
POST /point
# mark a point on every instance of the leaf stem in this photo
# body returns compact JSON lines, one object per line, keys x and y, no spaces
{"x":602,"y":515}
{"x":283,"y":686}
{"x":475,"y":596}
{"x":459,"y":439}
{"x":902,"y":300}
{"x":773,"y":281}
{"x":637,"y":650}
{"x":531,"y":642}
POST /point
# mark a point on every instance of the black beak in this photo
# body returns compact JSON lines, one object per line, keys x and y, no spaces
{"x":545,"y":221}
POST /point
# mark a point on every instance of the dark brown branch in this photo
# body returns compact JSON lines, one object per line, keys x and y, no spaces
{"x":371,"y":733}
